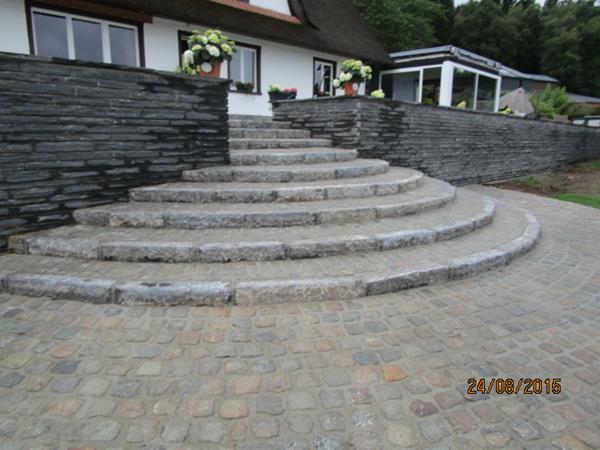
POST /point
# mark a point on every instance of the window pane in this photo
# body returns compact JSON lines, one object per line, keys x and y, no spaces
{"x":249,"y":66}
{"x":463,"y":88}
{"x":122,"y":46}
{"x":235,"y":72}
{"x":51,"y":35}
{"x":323,"y":77}
{"x":432,"y":80}
{"x":405,"y":86}
{"x":486,"y":93}
{"x":88,"y":40}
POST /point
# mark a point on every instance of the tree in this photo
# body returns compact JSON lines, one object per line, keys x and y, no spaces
{"x":403,"y":24}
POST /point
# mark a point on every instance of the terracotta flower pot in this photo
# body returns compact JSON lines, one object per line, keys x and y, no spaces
{"x":351,"y":89}
{"x":215,"y":72}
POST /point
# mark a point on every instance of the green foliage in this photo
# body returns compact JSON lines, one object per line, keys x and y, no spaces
{"x":551,"y":102}
{"x":587,"y":200}
{"x":407,"y":24}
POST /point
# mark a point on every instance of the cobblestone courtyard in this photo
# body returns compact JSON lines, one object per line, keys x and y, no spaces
{"x":383,"y":372}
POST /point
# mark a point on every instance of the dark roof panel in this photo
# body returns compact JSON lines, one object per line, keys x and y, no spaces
{"x":332,"y":26}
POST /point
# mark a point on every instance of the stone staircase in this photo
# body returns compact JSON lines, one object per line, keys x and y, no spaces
{"x":291,"y":219}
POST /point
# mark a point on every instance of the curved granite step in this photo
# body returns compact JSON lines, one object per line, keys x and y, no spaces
{"x":286,"y":174}
{"x":264,"y":124}
{"x":468,"y":213}
{"x":282,"y":156}
{"x":512,"y":233}
{"x":246,"y":143}
{"x":396,"y":180}
{"x":268,"y":133}
{"x":432,"y":194}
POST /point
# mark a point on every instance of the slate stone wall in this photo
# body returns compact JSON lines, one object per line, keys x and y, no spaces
{"x":458,"y":146}
{"x":77,"y":134}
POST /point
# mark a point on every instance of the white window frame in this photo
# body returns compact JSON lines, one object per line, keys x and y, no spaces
{"x":332,"y":65}
{"x":255,"y":68}
{"x":418,"y":69}
{"x":104,"y":27}
{"x":446,"y":85}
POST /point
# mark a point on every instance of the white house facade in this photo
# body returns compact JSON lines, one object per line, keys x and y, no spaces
{"x":295,"y":44}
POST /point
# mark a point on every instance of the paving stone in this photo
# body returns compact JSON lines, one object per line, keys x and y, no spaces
{"x":141,"y":430}
{"x":332,"y":421}
{"x":100,"y":430}
{"x":393,"y":410}
{"x":175,"y":431}
{"x":328,"y":443}
{"x":497,"y":436}
{"x":234,"y":409}
{"x":269,"y":404}
{"x":422,"y":409}
{"x":127,"y":388}
{"x":402,"y":436}
{"x":300,"y":423}
{"x":300,"y":401}
{"x":64,"y":385}
{"x":11,"y":379}
{"x":525,"y":429}
{"x":213,"y":432}
{"x":332,"y":398}
{"x":433,"y":430}
{"x":265,"y":428}
{"x":366,"y":358}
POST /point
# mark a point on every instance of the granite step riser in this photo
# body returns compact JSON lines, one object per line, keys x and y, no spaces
{"x":258,"y":144}
{"x":246,"y":251}
{"x":265,"y":292}
{"x":261,"y":125}
{"x":266,"y":133}
{"x":216,"y":175}
{"x":279,"y":195}
{"x":196,"y":221}
{"x":281,"y":159}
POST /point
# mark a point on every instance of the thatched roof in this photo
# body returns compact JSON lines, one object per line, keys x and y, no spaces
{"x":331,"y":26}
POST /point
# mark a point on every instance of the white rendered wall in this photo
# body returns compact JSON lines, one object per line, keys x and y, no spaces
{"x":281,"y":64}
{"x":13,"y":27}
{"x":281,"y":6}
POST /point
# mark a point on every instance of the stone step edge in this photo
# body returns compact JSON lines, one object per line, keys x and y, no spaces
{"x":195,"y":221}
{"x":283,"y":174}
{"x":223,"y":252}
{"x":267,"y":291}
{"x":281,"y":158}
{"x":280,"y":194}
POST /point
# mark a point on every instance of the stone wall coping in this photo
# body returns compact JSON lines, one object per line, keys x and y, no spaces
{"x":18,"y":58}
{"x":450,"y":109}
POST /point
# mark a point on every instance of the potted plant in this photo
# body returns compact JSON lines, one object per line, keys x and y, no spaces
{"x":246,"y":88}
{"x":206,"y":53}
{"x":353,"y":73}
{"x":276,"y":93}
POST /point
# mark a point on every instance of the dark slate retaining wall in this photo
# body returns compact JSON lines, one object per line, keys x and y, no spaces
{"x":458,"y":146}
{"x":76,"y":134}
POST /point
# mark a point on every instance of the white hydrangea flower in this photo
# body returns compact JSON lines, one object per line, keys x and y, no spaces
{"x":197,"y":48}
{"x":204,"y":39}
{"x":214,"y":38}
{"x":188,"y":58}
{"x":336,"y":83}
{"x":226,"y":48}
{"x":213,"y":51}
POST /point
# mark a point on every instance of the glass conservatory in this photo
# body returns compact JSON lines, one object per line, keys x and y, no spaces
{"x":443,"y":82}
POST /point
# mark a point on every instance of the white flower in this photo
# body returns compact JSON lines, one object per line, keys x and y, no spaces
{"x":378,"y":94}
{"x":227,"y":49}
{"x":214,"y":38}
{"x":188,"y":58}
{"x":213,"y":51}
{"x":336,"y":83}
{"x":197,"y":48}
{"x":204,"y":39}
{"x":344,"y":76}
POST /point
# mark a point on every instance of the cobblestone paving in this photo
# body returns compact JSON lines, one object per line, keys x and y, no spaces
{"x":379,"y":373}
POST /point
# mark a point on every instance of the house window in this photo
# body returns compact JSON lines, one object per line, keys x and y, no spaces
{"x":72,"y":36}
{"x":244,"y":68}
{"x":323,"y":74}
